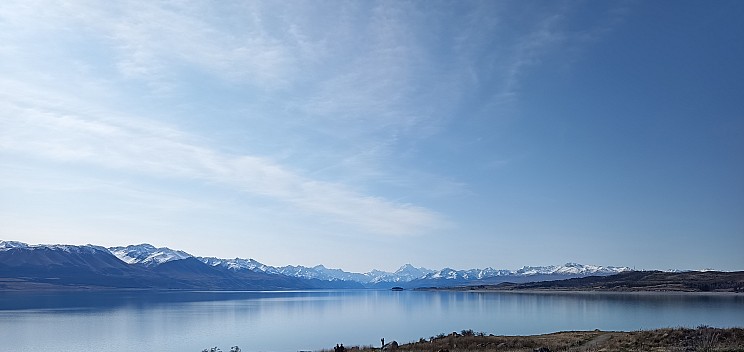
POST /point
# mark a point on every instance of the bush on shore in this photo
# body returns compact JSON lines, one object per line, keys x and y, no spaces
{"x":702,"y":338}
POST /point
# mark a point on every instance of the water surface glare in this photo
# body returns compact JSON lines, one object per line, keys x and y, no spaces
{"x":311,"y":320}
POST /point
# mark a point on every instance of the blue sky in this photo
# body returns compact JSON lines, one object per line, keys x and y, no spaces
{"x":367,"y":134}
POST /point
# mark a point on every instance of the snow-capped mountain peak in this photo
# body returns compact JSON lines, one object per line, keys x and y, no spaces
{"x":147,"y":254}
{"x":238,"y":264}
{"x":566,"y":270}
{"x":88,"y":248}
{"x":570,"y":269}
{"x":12,"y":244}
{"x":411,"y":272}
{"x":407,"y":275}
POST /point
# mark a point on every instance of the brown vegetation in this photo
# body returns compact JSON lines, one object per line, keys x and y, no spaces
{"x":692,"y":281}
{"x":702,"y":338}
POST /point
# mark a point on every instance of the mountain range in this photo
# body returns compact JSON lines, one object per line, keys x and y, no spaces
{"x":146,"y":266}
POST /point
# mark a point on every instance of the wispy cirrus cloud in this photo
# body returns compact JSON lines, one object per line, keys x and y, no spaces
{"x":150,"y":37}
{"x":61,"y":133}
{"x":153,"y":41}
{"x":350,"y":89}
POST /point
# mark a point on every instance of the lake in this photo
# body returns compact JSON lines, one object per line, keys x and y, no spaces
{"x":312,"y":320}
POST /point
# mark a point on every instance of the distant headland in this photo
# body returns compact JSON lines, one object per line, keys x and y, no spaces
{"x":632,"y":281}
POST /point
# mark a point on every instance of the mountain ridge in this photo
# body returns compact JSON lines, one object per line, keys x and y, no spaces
{"x":147,"y":254}
{"x":150,"y":255}
{"x":145,"y":261}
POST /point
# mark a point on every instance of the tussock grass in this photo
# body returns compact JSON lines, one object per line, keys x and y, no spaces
{"x":702,"y":338}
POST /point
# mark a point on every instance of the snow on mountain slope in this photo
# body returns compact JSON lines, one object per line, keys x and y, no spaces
{"x":147,"y":254}
{"x":88,"y":248}
{"x":405,"y":273}
{"x":12,"y":244}
{"x":304,"y":272}
{"x":150,"y":256}
{"x":338,"y":274}
{"x":471,"y":274}
{"x":238,"y":264}
{"x":570,"y":269}
{"x":318,"y":272}
{"x":44,"y":259}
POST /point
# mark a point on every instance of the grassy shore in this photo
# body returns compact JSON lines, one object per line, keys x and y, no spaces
{"x":633,"y":281}
{"x":702,"y":338}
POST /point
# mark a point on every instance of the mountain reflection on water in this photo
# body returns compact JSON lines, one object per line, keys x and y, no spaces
{"x":310,"y":320}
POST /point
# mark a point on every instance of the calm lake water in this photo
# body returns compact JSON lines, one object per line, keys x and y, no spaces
{"x":311,"y":320}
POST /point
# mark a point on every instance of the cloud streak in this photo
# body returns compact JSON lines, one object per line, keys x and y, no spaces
{"x":358,"y":85}
{"x":64,"y":135}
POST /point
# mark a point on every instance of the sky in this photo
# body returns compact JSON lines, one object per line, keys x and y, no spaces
{"x":369,"y":134}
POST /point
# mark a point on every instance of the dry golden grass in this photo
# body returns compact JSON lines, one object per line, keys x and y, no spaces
{"x":702,"y":339}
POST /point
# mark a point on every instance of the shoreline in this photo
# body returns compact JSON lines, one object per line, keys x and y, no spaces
{"x":580,"y":291}
{"x":633,"y":281}
{"x":50,"y":288}
{"x":701,"y":338}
